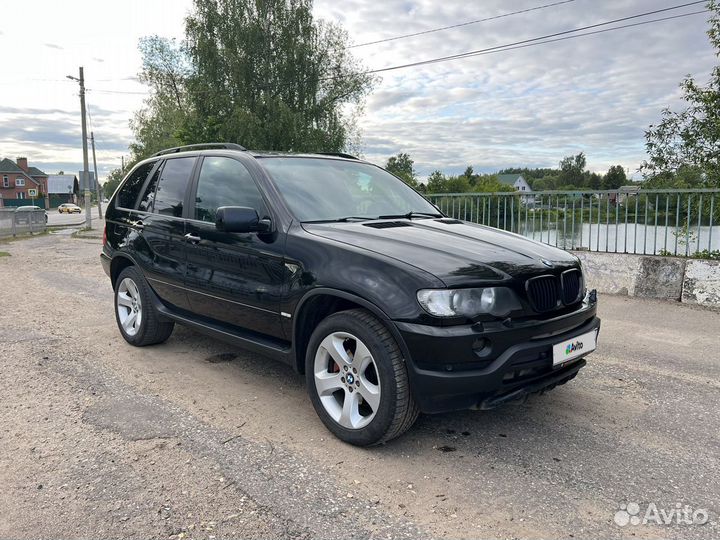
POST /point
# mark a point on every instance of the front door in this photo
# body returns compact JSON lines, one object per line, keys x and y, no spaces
{"x":234,"y":278}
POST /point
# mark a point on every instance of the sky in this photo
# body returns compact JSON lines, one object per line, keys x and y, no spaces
{"x":525,"y":107}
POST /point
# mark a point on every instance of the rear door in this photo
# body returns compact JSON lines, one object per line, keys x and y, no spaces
{"x":161,"y":229}
{"x":235,"y":278}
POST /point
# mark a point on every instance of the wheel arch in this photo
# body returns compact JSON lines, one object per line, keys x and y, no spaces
{"x":319,"y":304}
{"x":119,"y":263}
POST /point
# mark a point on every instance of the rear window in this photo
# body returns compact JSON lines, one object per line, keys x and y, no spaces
{"x":131,"y":188}
{"x":173,"y":185}
{"x":146,"y":203}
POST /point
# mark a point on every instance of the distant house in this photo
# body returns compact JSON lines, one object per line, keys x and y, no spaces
{"x":515,"y":180}
{"x":21,"y":185}
{"x":62,"y":188}
{"x":520,"y":184}
{"x":621,"y":195}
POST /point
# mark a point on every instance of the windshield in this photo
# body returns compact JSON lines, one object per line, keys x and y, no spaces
{"x":318,"y":189}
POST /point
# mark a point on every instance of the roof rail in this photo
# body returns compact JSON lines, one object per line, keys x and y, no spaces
{"x":227,"y":146}
{"x":338,"y":154}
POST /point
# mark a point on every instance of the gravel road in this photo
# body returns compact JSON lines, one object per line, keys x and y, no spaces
{"x":197,"y":439}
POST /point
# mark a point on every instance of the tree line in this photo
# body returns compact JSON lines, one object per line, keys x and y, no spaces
{"x":571,"y":175}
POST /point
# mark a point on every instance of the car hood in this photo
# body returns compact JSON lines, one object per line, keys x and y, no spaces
{"x":456,"y":252}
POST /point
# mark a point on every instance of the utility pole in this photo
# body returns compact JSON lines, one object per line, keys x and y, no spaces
{"x":85,"y":171}
{"x":97,"y":182}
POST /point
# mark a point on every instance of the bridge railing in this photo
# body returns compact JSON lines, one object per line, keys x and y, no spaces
{"x":663,"y":222}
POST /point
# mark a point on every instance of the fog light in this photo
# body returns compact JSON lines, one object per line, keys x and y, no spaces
{"x":481,"y":346}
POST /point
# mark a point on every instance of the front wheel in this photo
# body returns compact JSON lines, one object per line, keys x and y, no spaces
{"x":357,"y":379}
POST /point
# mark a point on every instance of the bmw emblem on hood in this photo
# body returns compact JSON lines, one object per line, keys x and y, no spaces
{"x":547,"y":263}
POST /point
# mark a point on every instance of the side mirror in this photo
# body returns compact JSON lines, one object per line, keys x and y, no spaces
{"x":240,"y":219}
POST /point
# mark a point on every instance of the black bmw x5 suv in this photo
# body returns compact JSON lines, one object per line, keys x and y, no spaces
{"x":338,"y":268}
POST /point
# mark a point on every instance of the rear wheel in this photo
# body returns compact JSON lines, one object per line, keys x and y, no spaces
{"x":357,"y":379}
{"x":138,"y":320}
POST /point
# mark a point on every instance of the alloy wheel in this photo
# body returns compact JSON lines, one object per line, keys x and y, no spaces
{"x":346,"y":380}
{"x":129,"y":306}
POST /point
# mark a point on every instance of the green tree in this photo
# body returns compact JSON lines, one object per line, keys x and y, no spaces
{"x":457,"y":184}
{"x":402,"y":166}
{"x":572,"y":170}
{"x":685,"y":177}
{"x":112,"y":182}
{"x":159,"y":123}
{"x":436,"y":182}
{"x":266,"y":74}
{"x":614,"y":178}
{"x":470,"y":175}
{"x":592,"y":180}
{"x":690,"y":138}
{"x":490,"y":183}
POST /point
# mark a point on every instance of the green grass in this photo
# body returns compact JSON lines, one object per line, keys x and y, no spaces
{"x":4,"y":254}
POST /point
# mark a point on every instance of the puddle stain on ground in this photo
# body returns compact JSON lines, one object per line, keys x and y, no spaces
{"x":221,"y":357}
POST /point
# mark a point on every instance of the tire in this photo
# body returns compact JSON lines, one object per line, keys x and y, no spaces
{"x":132,"y":296}
{"x":365,"y":367}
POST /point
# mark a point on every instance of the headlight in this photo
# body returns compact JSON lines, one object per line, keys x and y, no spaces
{"x":497,"y":301}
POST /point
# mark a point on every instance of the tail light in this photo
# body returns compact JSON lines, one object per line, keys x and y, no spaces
{"x":105,"y":236}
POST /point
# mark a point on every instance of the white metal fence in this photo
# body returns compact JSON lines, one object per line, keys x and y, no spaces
{"x":664,"y":222}
{"x":14,"y":221}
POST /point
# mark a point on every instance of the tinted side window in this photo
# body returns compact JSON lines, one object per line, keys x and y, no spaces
{"x":172,"y":186}
{"x":146,"y":204}
{"x":132,"y":186}
{"x":225,"y":182}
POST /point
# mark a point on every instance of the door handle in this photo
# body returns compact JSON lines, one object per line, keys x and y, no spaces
{"x":192,"y":238}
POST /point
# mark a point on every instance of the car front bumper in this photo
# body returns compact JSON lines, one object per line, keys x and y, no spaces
{"x":484,"y":365}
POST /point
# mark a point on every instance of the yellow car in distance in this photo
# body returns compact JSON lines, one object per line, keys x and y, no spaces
{"x":69,"y":208}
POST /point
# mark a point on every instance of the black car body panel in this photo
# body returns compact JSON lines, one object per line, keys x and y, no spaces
{"x":256,"y":289}
{"x":458,"y":253}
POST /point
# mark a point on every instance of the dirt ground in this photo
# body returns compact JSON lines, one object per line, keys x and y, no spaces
{"x":197,"y":439}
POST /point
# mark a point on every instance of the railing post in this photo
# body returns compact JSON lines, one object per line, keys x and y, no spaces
{"x":590,"y":224}
{"x":645,"y":226}
{"x":637,"y":205}
{"x":677,"y":222}
{"x":687,"y":228}
{"x":657,"y":202}
{"x":572,"y":241}
{"x":700,"y":209}
{"x":712,"y":212}
{"x":627,"y":206}
{"x":597,"y":244}
{"x":667,"y":215}
{"x":607,"y":222}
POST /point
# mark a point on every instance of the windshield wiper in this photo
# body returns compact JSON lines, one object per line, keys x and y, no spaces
{"x":340,"y":220}
{"x":411,"y":215}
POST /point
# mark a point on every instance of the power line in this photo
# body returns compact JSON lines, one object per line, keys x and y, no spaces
{"x":101,"y":91}
{"x":540,"y":40}
{"x":515,"y":44}
{"x":510,"y":48}
{"x":468,"y":23}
